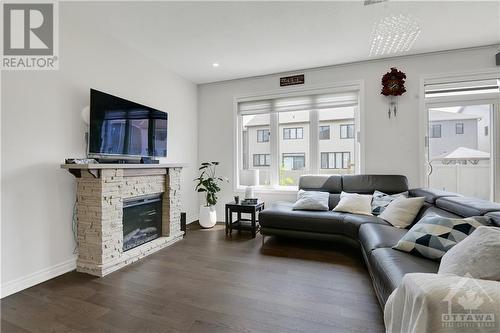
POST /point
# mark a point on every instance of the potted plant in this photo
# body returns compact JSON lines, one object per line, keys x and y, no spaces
{"x":208,"y":183}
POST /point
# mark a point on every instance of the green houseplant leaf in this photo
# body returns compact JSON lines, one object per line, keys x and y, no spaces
{"x":208,"y":182}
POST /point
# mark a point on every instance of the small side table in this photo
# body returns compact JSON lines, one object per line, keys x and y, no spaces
{"x":242,"y":223}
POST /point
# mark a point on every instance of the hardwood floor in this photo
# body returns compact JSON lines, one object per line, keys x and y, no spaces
{"x":209,"y":283}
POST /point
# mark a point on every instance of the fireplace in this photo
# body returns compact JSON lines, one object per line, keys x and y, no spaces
{"x":142,"y":220}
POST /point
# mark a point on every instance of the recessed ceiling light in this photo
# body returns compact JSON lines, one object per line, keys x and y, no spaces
{"x":215,"y":64}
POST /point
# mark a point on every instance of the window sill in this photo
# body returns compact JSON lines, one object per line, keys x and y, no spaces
{"x":270,"y":189}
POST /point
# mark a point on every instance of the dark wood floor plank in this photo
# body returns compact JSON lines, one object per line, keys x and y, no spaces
{"x":210,"y":283}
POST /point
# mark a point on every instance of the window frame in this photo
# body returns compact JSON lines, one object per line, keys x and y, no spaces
{"x":267,"y":160}
{"x":347,"y":127}
{"x":293,"y":155}
{"x":329,"y":132}
{"x":432,"y":134}
{"x":334,"y":153}
{"x":295,"y":130}
{"x":356,"y":87}
{"x":263,"y":131}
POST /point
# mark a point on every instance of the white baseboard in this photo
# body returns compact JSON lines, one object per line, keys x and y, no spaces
{"x":16,"y":285}
{"x":190,"y":218}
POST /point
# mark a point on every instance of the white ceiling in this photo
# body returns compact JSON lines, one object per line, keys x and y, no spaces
{"x":257,"y":38}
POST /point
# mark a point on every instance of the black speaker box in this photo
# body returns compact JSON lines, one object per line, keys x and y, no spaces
{"x":149,"y":160}
{"x":183,"y":223}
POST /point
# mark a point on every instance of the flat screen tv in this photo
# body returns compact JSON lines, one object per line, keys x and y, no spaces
{"x":124,"y":129}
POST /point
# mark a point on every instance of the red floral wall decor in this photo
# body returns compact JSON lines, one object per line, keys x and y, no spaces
{"x":393,"y":83}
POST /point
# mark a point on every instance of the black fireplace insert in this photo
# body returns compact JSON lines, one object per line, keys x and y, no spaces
{"x":142,"y":220}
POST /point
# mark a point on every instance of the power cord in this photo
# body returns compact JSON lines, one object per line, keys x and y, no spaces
{"x":74,"y":227}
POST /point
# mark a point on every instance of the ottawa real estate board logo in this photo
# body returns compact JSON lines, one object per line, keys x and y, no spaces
{"x":30,"y":36}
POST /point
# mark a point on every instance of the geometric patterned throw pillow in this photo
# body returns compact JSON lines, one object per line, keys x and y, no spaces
{"x":433,"y":235}
{"x":381,"y":200}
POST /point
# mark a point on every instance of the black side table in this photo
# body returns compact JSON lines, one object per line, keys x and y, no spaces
{"x":242,"y":223}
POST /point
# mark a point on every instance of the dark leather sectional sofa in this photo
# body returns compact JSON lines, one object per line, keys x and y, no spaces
{"x":373,"y":235}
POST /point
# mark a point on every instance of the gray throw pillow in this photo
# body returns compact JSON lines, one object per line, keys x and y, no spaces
{"x":311,"y":200}
{"x":476,"y":256}
{"x":381,"y":200}
{"x":434,"y":235}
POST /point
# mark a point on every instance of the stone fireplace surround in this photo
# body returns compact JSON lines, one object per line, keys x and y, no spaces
{"x":101,"y":189}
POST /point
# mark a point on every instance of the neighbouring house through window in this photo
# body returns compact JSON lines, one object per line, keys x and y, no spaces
{"x":285,"y":137}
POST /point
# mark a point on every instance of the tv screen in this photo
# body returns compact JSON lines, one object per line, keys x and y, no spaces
{"x":123,"y":128}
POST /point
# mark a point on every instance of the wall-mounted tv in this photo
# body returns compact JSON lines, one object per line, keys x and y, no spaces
{"x":123,"y":129}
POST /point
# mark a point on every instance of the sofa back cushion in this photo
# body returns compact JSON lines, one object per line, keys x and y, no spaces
{"x":494,"y":218}
{"x":466,"y":206}
{"x":325,"y":183}
{"x":334,"y":200}
{"x":367,"y":184}
{"x":431,"y":194}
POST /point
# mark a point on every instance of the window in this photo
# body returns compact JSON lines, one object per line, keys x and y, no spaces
{"x":324,"y":132}
{"x":435,"y":131}
{"x":261,"y":160}
{"x":486,"y":131}
{"x":347,"y":131}
{"x":263,"y":135}
{"x":294,"y":161}
{"x":293,"y":133}
{"x":459,"y":128}
{"x":337,"y":160}
{"x":282,"y":138}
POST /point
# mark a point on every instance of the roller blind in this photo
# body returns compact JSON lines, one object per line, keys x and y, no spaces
{"x":462,"y":88}
{"x":299,"y":103}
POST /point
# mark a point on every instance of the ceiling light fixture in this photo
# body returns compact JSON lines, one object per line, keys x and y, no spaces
{"x":394,"y":34}
{"x":215,"y":64}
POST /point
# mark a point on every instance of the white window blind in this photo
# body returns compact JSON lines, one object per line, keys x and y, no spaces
{"x":462,"y":88}
{"x":299,"y":103}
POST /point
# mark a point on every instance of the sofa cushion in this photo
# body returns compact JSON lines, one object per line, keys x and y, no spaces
{"x":352,"y":223}
{"x":325,"y":183}
{"x":388,"y":266}
{"x":494,"y":218}
{"x":466,"y":206}
{"x":434,"y":235}
{"x":368,"y":184}
{"x":373,"y":236}
{"x":477,"y":255}
{"x":381,"y":200}
{"x":281,"y":216}
{"x":431,"y":194}
{"x":402,"y":212}
{"x":354,"y":203}
{"x":311,"y":200}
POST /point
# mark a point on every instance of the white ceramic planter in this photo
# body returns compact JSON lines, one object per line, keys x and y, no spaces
{"x":208,"y":216}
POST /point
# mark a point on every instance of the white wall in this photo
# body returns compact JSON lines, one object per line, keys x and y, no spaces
{"x":41,"y":126}
{"x":392,"y":145}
